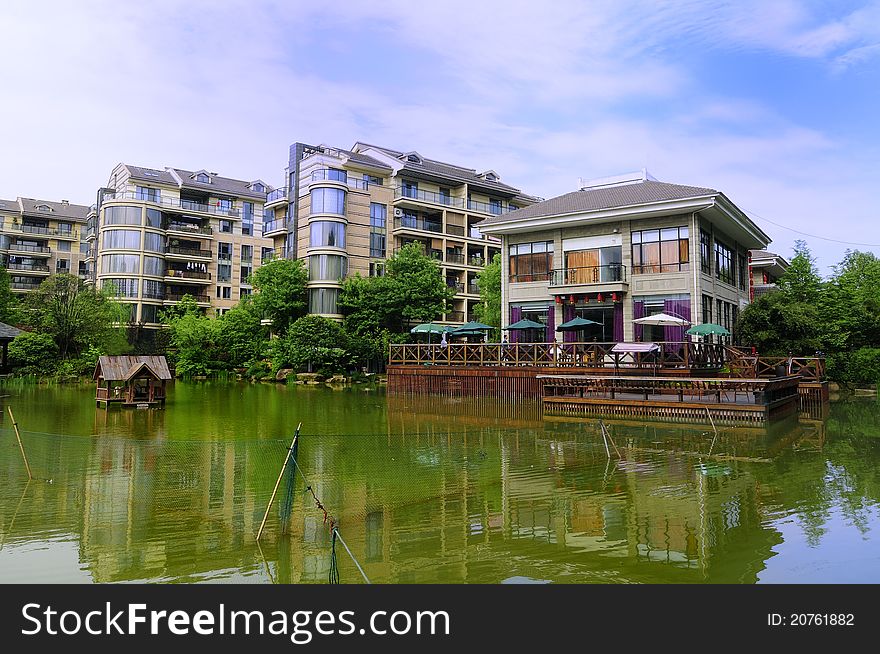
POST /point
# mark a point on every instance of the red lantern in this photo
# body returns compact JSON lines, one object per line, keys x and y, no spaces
{"x":601,"y":298}
{"x":614,"y":297}
{"x":571,"y":298}
{"x":558,"y":299}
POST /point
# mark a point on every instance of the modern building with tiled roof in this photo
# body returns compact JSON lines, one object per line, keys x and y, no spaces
{"x":156,"y":235}
{"x":347,"y":211}
{"x":40,"y":237}
{"x":766,"y":268}
{"x":622,"y":248}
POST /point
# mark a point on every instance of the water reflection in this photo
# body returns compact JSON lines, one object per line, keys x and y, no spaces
{"x":427,"y":490}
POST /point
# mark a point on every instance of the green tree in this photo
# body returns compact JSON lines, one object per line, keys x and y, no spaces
{"x":195,"y":339}
{"x":313,"y":340}
{"x":281,"y":292}
{"x":241,"y":336}
{"x":488,"y":311}
{"x":77,"y":316}
{"x":851,"y":303}
{"x":777,"y":324}
{"x":8,"y":305}
{"x":801,"y":281}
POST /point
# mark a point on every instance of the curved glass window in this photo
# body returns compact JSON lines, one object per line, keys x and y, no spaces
{"x":154,"y":218}
{"x":121,"y":263}
{"x":326,"y":234}
{"x":128,"y":239}
{"x":154,"y":242}
{"x":323,"y":300}
{"x":122,"y":286}
{"x":149,"y":313}
{"x":328,"y":200}
{"x":153,"y":289}
{"x":154,"y":266}
{"x":327,"y":267}
{"x":122,"y":216}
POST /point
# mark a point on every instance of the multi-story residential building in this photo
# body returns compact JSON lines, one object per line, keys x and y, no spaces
{"x":157,"y":235}
{"x":765,"y":269}
{"x":347,"y":211}
{"x":622,"y":248}
{"x":41,"y":237}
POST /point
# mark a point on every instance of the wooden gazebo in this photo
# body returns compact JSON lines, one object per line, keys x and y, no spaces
{"x":131,"y":380}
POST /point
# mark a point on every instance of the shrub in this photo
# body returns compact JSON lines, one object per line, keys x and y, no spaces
{"x":858,"y":368}
{"x":34,"y":353}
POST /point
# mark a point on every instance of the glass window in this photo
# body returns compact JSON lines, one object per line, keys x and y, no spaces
{"x":323,"y":300}
{"x":247,"y":219}
{"x":224,"y":204}
{"x":246,"y":272}
{"x":742,"y":272}
{"x":154,"y":242}
{"x":326,"y":234}
{"x":203,"y":178}
{"x":149,"y":313}
{"x":705,"y":252}
{"x":226,"y":226}
{"x":122,"y":286}
{"x":153,"y":289}
{"x":65,"y":228}
{"x":247,"y":252}
{"x":660,"y":250}
{"x":154,"y":218}
{"x":148,"y":194}
{"x":410,"y":189}
{"x":494,"y":206}
{"x":378,"y":214}
{"x":224,"y":292}
{"x":372,"y":179}
{"x":224,"y":251}
{"x":121,"y":263}
{"x":377,"y":245}
{"x":337,"y":175}
{"x":328,"y":200}
{"x":531,"y":262}
{"x":122,"y":216}
{"x":707,"y":308}
{"x":224,"y":272}
{"x":63,"y":246}
{"x":153,"y":266}
{"x":327,"y":267}
{"x":122,"y":239}
{"x":724,"y":263}
{"x":62,"y":265}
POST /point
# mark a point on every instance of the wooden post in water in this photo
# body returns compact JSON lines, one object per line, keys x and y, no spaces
{"x":712,"y":422}
{"x":20,"y":446}
{"x":278,"y":483}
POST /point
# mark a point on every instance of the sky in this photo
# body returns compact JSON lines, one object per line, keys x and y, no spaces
{"x":775,"y":103}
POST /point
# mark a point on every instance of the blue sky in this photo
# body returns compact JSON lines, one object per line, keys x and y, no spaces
{"x":773,"y":102}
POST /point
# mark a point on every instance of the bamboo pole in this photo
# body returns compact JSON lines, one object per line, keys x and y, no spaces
{"x":20,"y":446}
{"x":278,"y":482}
{"x":712,"y":422}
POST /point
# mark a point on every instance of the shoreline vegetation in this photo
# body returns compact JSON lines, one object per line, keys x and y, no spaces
{"x":270,"y":336}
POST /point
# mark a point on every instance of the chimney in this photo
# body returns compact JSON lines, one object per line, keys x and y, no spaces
{"x":65,"y":203}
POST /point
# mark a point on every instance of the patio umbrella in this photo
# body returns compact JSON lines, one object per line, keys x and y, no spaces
{"x":707,"y":329}
{"x":575,"y":324}
{"x":661,"y":319}
{"x":525,"y":323}
{"x":471,"y":327}
{"x":429,"y":328}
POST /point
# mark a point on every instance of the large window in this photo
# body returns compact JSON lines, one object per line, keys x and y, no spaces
{"x":154,"y":242}
{"x":724,"y":263}
{"x":224,"y":272}
{"x":660,"y":250}
{"x":410,"y":189}
{"x":154,"y":290}
{"x":377,"y":245}
{"x":122,"y":286}
{"x":707,"y":308}
{"x":149,"y":313}
{"x":127,"y":239}
{"x":327,"y":267}
{"x":742,"y":272}
{"x":247,"y":253}
{"x":326,"y":234}
{"x":378,"y":214}
{"x":705,"y":252}
{"x":328,"y":200}
{"x":531,"y":262}
{"x":148,"y":194}
{"x":154,"y":266}
{"x":247,"y":218}
{"x":121,"y":263}
{"x":593,"y":265}
{"x":122,"y":216}
{"x":154,"y":218}
{"x":337,"y":175}
{"x":323,"y":300}
{"x":63,"y":246}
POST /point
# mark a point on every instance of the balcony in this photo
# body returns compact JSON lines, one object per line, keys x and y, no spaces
{"x":196,"y":276}
{"x":38,"y":268}
{"x":473,"y":288}
{"x":458,"y":286}
{"x":175,"y":203}
{"x":37,"y":250}
{"x":189,"y":253}
{"x":327,"y":175}
{"x":602,"y":279}
{"x":189,"y":228}
{"x":455,"y":316}
{"x":274,"y":227}
{"x":277,"y":196}
{"x":455,"y":230}
{"x":490,"y":208}
{"x":455,"y":257}
{"x":476,"y":260}
{"x":201,"y":298}
{"x":23,"y":286}
{"x":442,"y":199}
{"x":418,"y":224}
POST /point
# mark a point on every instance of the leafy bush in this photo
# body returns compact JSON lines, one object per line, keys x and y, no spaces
{"x":858,"y":368}
{"x":312,"y":339}
{"x":34,"y":354}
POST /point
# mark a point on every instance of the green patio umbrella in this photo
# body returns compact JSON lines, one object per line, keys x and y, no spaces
{"x":430,"y":328}
{"x":525,"y":323}
{"x":471,"y":327}
{"x":707,"y":329}
{"x":575,"y":324}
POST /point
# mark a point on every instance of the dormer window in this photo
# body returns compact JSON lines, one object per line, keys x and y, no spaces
{"x":43,"y":207}
{"x":203,"y":178}
{"x":412,"y":157}
{"x":258,"y":187}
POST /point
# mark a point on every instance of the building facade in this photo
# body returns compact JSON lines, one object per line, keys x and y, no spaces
{"x":622,"y":248}
{"x":765,"y":270}
{"x":41,"y":237}
{"x":157,"y":235}
{"x":346,"y":211}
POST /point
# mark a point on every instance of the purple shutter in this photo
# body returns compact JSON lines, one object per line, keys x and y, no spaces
{"x":568,"y":314}
{"x":618,"y":322}
{"x":515,"y":316}
{"x":680,"y":309}
{"x":551,"y":323}
{"x":638,"y":312}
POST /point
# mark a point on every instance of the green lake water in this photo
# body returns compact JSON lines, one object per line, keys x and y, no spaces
{"x":455,"y":490}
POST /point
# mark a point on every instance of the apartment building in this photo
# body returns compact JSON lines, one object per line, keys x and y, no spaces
{"x":347,"y":211}
{"x":622,"y":248}
{"x":41,"y":237}
{"x":159,"y":234}
{"x":765,"y":269}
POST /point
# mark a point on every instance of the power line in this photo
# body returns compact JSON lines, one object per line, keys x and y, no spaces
{"x":822,"y":238}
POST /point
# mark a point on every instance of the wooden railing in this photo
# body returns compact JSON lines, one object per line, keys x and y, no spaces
{"x":746,"y":365}
{"x":708,"y":356}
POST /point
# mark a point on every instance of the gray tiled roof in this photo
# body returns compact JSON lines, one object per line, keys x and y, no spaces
{"x":8,"y":205}
{"x":610,"y":197}
{"x":223,"y":185}
{"x":139,"y":172}
{"x":8,"y":332}
{"x":77,"y":212}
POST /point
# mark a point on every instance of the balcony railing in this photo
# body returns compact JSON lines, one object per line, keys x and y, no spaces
{"x":43,"y":231}
{"x":614,"y":272}
{"x":477,"y":261}
{"x":273,"y":225}
{"x":23,"y":286}
{"x":188,"y":252}
{"x":277,"y":194}
{"x":174,"y":203}
{"x":187,"y":274}
{"x":473,"y":288}
{"x":418,"y":223}
{"x":455,"y":230}
{"x":34,"y":267}
{"x":455,"y":257}
{"x":458,"y":286}
{"x":189,"y":228}
{"x":21,"y":247}
{"x":327,"y":175}
{"x":428,"y":196}
{"x":177,"y":297}
{"x":455,"y":316}
{"x":492,"y":208}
